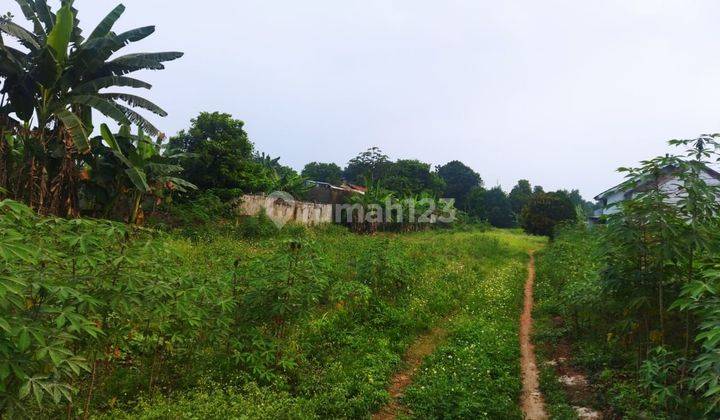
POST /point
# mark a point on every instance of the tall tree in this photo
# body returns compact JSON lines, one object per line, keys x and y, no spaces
{"x":459,"y":179}
{"x":412,"y":177}
{"x":545,"y":211}
{"x":371,"y":164}
{"x":578,"y":201}
{"x":323,"y":172}
{"x":222,"y":155}
{"x":492,"y":206}
{"x":520,"y":195}
{"x":498,"y":210}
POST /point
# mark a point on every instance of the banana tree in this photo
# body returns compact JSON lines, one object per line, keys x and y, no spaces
{"x":145,"y":169}
{"x":55,"y":82}
{"x":373,"y":203}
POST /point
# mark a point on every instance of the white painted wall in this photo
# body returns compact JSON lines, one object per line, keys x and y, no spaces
{"x":671,"y":187}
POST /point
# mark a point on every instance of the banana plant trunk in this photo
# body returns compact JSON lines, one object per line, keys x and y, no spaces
{"x":135,"y":208}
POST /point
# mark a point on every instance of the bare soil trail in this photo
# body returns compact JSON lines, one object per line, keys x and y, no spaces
{"x":578,"y":389}
{"x":421,"y":348}
{"x":533,"y":405}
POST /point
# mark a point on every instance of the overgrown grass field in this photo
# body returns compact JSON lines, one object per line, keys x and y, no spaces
{"x":309,"y":323}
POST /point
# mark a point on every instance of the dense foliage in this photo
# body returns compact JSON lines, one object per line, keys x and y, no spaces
{"x":639,"y":295}
{"x":412,"y":177}
{"x":520,"y":195}
{"x":545,"y":211}
{"x":101,"y":317}
{"x":492,"y":206}
{"x":220,"y":155}
{"x":459,"y":181}
{"x":323,"y":172}
{"x":56,"y":81}
{"x":371,"y":165}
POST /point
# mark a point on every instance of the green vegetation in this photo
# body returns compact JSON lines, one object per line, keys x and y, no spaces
{"x":545,"y":211}
{"x":491,"y":205}
{"x":219,"y":155}
{"x":323,"y":172}
{"x":638,"y":295}
{"x":476,"y":374}
{"x":56,"y":82}
{"x":205,"y":315}
{"x":460,"y":180}
{"x":312,"y":322}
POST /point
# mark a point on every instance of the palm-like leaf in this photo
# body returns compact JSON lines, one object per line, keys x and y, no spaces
{"x":94,"y":86}
{"x":75,"y":127}
{"x":106,"y":24}
{"x":136,"y":101}
{"x":135,"y":35}
{"x":26,"y":38}
{"x":104,"y":106}
{"x":30,"y":14}
{"x":59,"y":38}
{"x":139,"y":120}
{"x":142,"y":61}
{"x":71,"y":72}
{"x":42,"y":11}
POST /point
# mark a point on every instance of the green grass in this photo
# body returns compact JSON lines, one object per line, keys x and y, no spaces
{"x":476,"y":374}
{"x":305,"y":324}
{"x":348,"y":353}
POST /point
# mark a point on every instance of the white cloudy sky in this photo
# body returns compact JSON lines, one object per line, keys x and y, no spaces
{"x":560,"y":92}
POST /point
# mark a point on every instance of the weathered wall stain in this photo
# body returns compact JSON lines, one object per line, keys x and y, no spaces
{"x":283,"y":211}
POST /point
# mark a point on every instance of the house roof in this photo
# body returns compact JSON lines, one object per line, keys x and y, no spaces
{"x":640,"y":183}
{"x":344,"y":187}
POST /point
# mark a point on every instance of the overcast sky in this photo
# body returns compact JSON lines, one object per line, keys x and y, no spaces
{"x":560,"y":92}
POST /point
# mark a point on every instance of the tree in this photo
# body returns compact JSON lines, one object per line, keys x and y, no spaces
{"x":578,"y":201}
{"x":57,"y":81}
{"x":371,"y":164}
{"x":323,"y":172}
{"x":545,"y":211}
{"x":492,"y":206}
{"x":520,"y":195}
{"x":538,"y":189}
{"x":222,"y":155}
{"x":459,"y":181}
{"x":145,"y":170}
{"x":412,"y":177}
{"x":475,"y":204}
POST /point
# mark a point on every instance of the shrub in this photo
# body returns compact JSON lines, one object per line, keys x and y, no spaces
{"x":545,"y":211}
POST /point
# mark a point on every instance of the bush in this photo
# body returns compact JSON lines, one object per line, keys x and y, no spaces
{"x":545,"y":211}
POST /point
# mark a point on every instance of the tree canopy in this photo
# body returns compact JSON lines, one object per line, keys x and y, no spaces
{"x":492,"y":206}
{"x":459,"y":179}
{"x":545,"y":211}
{"x":323,"y":172}
{"x":412,"y":177}
{"x":520,"y":195}
{"x":371,"y":164}
{"x":222,"y":155}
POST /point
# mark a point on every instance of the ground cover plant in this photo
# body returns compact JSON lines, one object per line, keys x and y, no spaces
{"x":105,"y":318}
{"x":476,"y":374}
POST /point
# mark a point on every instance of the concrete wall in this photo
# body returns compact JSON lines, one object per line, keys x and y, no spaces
{"x":283,"y":211}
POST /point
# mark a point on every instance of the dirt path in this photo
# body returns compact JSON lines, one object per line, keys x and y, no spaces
{"x":414,"y":356}
{"x":578,"y":390}
{"x":532,"y":402}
